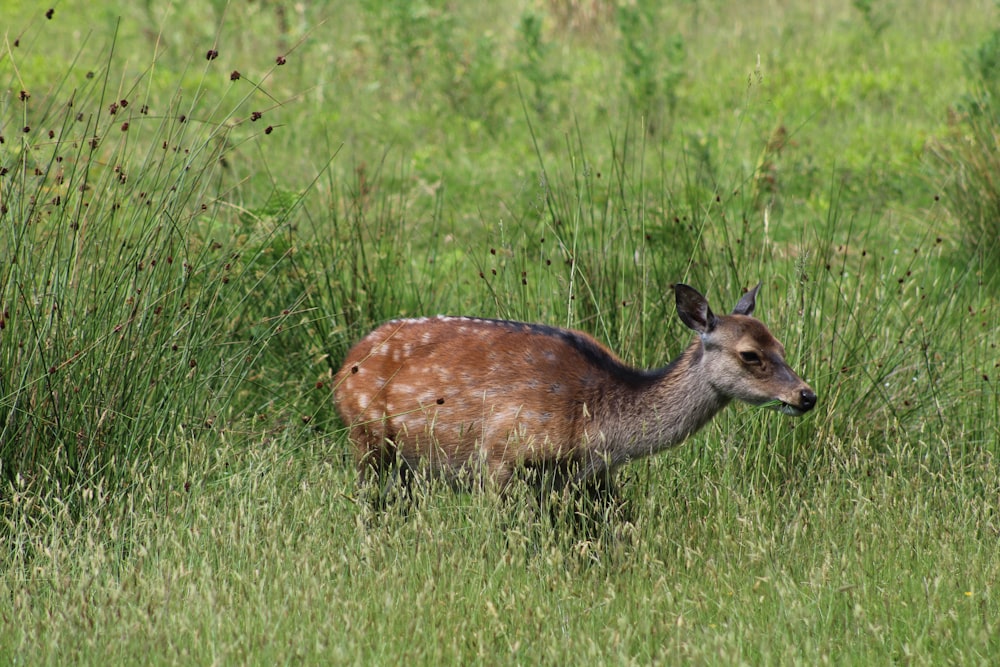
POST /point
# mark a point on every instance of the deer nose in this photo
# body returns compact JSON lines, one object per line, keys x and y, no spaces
{"x":807,"y":399}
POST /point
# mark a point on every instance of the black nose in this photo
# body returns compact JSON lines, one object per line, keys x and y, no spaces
{"x":808,"y":399}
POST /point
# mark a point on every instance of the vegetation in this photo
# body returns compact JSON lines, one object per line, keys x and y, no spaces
{"x":203,"y":205}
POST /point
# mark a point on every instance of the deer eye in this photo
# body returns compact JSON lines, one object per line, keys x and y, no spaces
{"x":750,"y":357}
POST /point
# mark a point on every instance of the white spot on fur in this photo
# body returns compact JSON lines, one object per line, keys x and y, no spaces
{"x":410,"y":423}
{"x":399,"y":388}
{"x":428,"y":397}
{"x":506,"y":414}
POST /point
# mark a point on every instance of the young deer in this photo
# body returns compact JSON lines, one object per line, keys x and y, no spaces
{"x":454,"y":394}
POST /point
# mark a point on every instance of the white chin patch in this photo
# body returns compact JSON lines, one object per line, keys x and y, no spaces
{"x":790,"y":410}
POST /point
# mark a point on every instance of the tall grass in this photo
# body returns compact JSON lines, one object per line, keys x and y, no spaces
{"x":178,"y":291}
{"x":132,"y":307}
{"x":966,"y":160}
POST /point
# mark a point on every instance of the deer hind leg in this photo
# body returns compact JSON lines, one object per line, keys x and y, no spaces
{"x":381,"y":473}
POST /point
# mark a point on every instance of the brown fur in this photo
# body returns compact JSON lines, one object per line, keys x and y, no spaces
{"x":450,"y":393}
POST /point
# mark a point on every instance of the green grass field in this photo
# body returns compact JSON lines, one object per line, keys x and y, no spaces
{"x":203,"y":205}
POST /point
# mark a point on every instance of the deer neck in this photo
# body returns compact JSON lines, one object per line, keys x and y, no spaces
{"x":678,"y":401}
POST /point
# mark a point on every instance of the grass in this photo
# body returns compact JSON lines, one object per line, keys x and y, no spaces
{"x":186,"y":255}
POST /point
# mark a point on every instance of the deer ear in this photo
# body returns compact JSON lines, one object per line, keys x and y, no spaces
{"x":693,"y":309}
{"x":747,"y":303}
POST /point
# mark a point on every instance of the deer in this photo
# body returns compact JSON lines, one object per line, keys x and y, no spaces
{"x":457,"y":395}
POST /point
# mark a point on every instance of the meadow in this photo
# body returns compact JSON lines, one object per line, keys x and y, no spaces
{"x":203,"y":205}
